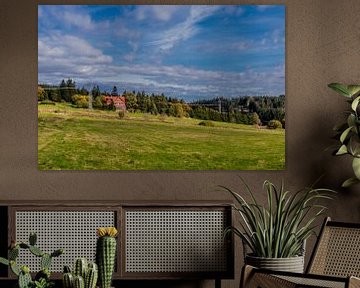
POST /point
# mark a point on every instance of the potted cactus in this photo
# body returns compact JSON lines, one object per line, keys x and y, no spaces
{"x":42,"y":278}
{"x":106,"y":254}
{"x":85,"y":275}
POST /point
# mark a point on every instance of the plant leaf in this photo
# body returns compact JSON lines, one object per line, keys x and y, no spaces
{"x":342,"y":150}
{"x":356,"y":167}
{"x":351,"y":120}
{"x":353,"y":89}
{"x":340,"y":88}
{"x":349,"y":182}
{"x":355,"y":103}
{"x":345,"y":134}
{"x":354,"y":145}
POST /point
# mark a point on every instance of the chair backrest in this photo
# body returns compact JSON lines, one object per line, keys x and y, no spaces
{"x":337,"y":251}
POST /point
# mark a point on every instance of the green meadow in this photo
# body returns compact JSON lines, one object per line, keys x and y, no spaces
{"x":78,"y":139}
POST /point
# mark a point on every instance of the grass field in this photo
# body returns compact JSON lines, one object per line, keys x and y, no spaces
{"x":78,"y":139}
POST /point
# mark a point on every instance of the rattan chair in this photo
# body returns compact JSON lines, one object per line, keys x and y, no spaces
{"x":334,"y":263}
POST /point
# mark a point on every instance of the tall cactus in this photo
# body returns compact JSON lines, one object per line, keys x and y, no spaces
{"x":106,"y":254}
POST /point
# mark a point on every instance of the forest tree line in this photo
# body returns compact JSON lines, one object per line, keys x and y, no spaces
{"x":244,"y":109}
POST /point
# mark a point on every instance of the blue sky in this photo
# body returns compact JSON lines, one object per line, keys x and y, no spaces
{"x":191,"y":52}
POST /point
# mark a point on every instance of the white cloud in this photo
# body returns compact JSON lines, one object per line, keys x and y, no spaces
{"x":164,"y":12}
{"x":73,"y":16}
{"x":63,"y":56}
{"x":159,"y":12}
{"x":262,"y":8}
{"x":79,"y":20}
{"x":272,"y":40}
{"x":67,"y":56}
{"x":184,"y":30}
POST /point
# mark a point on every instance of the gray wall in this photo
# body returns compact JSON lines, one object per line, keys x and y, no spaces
{"x":322,"y":46}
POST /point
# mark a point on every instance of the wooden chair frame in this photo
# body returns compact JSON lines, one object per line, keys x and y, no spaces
{"x":255,"y":277}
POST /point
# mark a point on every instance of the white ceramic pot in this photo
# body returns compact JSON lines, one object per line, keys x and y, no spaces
{"x":291,"y":264}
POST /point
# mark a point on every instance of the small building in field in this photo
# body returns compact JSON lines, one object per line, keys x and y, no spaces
{"x":119,"y":102}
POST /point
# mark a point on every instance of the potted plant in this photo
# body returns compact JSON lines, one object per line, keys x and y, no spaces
{"x":84,"y":274}
{"x":349,"y":132}
{"x":276,"y":233}
{"x":106,"y":254}
{"x":42,"y":278}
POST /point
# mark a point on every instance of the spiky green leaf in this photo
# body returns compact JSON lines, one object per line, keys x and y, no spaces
{"x":280,"y":228}
{"x":340,"y":88}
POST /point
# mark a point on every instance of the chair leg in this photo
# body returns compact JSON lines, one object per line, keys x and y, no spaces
{"x":246,"y":274}
{"x":217,"y":283}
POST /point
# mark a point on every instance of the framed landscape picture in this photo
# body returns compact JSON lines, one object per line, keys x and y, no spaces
{"x":161,"y":87}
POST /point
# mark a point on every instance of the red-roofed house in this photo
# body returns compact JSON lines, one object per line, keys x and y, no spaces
{"x":119,"y":102}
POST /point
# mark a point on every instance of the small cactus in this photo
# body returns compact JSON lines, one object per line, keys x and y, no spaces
{"x":79,"y":282}
{"x":14,"y":268}
{"x":91,"y":276}
{"x":80,"y":268}
{"x":106,"y":254}
{"x":32,"y":238}
{"x":68,"y":280}
{"x":36,"y":251}
{"x":24,"y":278}
{"x":57,"y":252}
{"x":24,"y":246}
{"x":45,"y":261}
{"x":44,"y":273}
{"x":67,"y":269}
{"x":13,"y":253}
{"x":84,"y":274}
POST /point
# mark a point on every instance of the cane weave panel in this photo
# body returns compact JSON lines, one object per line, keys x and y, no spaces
{"x":338,"y":253}
{"x":74,"y":231}
{"x":305,"y":282}
{"x":175,"y":241}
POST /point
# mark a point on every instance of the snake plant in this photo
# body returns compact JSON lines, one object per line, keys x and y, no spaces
{"x":279,"y":228}
{"x":349,"y":132}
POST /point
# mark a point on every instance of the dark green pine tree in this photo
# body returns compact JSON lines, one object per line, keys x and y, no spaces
{"x":114,"y":91}
{"x":63,"y":91}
